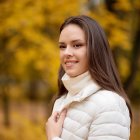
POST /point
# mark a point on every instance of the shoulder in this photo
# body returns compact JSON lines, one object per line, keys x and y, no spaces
{"x":103,"y":97}
{"x":109,"y":101}
{"x":112,"y":116}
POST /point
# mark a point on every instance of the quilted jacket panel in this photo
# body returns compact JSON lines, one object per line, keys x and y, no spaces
{"x":100,"y":116}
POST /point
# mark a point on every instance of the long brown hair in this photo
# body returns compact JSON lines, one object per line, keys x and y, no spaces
{"x":101,"y":64}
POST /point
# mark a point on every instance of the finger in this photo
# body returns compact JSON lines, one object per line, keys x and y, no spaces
{"x":62,"y":116}
{"x":54,"y":113}
{"x":55,"y":116}
{"x":64,"y":111}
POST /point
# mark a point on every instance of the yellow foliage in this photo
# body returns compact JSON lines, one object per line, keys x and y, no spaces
{"x":118,"y":30}
{"x":23,"y":129}
{"x":124,"y":5}
{"x":30,"y":28}
{"x":24,"y":24}
{"x":136,"y":4}
{"x":123,"y":67}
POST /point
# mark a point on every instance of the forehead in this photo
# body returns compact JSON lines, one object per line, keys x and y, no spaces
{"x":72,"y":31}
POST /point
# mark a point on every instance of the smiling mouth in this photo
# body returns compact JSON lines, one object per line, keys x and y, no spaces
{"x":70,"y":63}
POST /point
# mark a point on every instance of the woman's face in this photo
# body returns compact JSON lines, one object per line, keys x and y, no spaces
{"x":73,"y":50}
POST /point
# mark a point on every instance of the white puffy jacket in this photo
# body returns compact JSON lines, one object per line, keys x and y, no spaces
{"x":92,"y":113}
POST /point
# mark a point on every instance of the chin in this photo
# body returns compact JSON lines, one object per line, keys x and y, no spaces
{"x":72,"y":74}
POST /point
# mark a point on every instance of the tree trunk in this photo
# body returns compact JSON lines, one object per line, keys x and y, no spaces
{"x":6,"y":106}
{"x":135,"y":57}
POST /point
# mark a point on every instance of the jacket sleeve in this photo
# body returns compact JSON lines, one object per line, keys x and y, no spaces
{"x":112,"y":122}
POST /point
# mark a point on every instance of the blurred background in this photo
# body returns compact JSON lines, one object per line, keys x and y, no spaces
{"x":29,"y":58}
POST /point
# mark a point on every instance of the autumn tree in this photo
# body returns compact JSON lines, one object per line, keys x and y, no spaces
{"x":121,"y":20}
{"x":29,"y":52}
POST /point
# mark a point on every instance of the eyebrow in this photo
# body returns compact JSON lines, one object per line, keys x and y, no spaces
{"x":73,"y":41}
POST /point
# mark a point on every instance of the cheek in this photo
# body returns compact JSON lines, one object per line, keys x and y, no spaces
{"x":85,"y":60}
{"x":83,"y":55}
{"x":61,"y":57}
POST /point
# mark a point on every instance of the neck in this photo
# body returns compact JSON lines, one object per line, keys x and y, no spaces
{"x":76,"y":84}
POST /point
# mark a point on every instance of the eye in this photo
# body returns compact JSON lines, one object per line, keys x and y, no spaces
{"x":62,"y":46}
{"x":77,"y":45}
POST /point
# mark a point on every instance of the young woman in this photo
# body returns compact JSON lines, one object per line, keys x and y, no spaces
{"x":92,"y":104}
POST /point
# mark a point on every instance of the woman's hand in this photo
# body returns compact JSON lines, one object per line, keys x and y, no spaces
{"x":55,"y":124}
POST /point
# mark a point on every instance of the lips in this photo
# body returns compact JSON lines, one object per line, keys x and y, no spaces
{"x":70,"y":63}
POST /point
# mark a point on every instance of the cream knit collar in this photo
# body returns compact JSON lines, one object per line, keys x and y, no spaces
{"x":76,"y":84}
{"x":78,"y":88}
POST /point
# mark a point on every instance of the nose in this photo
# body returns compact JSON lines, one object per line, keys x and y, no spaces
{"x":68,"y":51}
